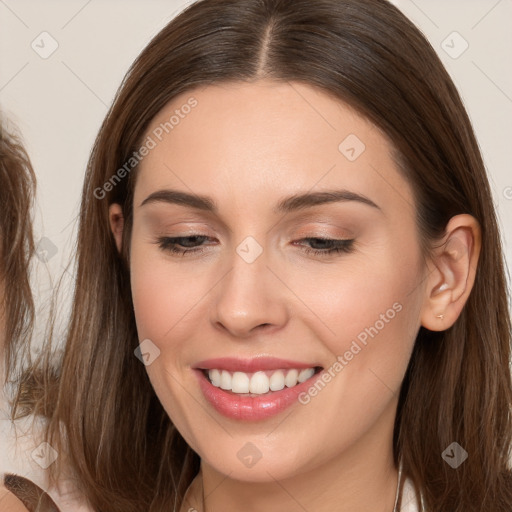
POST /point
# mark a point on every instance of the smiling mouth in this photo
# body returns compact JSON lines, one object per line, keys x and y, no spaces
{"x":260,"y":382}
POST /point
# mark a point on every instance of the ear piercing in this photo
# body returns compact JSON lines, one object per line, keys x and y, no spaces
{"x":441,"y":316}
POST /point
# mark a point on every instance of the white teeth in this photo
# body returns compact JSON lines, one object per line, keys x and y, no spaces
{"x":258,"y":383}
{"x":225,"y":380}
{"x":215,"y":377}
{"x":291,"y":378}
{"x":277,"y":381}
{"x":239,"y":383}
{"x":306,"y":374}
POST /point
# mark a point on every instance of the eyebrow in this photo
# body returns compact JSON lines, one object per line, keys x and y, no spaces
{"x":293,"y":203}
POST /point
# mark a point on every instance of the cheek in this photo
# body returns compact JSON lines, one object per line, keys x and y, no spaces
{"x":372,"y":317}
{"x":163,"y":295}
{"x":350,"y":297}
{"x":369,"y":315}
{"x":165,"y":301}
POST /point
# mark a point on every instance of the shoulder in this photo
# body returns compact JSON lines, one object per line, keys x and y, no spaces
{"x":9,"y":502}
{"x":25,"y":495}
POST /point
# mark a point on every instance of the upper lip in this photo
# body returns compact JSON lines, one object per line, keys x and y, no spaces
{"x":234,"y":364}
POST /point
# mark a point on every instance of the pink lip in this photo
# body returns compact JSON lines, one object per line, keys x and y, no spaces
{"x":233,"y":364}
{"x":248,"y":408}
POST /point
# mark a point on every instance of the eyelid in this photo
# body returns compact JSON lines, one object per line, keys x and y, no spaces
{"x":174,"y":230}
{"x":162,"y":223}
{"x":325,"y":232}
{"x":341,"y":246}
{"x":304,"y":219}
{"x":305,"y":225}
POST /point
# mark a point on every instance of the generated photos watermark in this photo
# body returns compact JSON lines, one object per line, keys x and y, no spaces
{"x":149,"y":143}
{"x":356,"y":347}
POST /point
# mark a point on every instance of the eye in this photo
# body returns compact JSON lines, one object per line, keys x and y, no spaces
{"x":333,"y":246}
{"x":172,"y":244}
{"x":192,"y":244}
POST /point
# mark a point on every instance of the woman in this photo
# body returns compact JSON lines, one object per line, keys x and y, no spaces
{"x":16,"y":249}
{"x":17,"y":188}
{"x":290,"y":290}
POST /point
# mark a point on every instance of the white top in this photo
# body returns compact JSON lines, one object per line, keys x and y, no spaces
{"x":409,"y":499}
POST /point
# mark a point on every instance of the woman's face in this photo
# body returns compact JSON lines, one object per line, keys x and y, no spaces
{"x":251,"y":300}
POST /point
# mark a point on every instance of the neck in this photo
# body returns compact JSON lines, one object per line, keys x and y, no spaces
{"x":361,"y":479}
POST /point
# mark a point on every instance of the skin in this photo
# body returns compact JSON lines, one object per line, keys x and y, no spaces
{"x":9,"y":502}
{"x":248,"y":146}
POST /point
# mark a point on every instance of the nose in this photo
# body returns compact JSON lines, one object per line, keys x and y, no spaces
{"x":250,"y":299}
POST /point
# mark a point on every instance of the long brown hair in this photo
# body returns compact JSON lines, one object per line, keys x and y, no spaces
{"x":17,"y":189}
{"x":123,"y":447}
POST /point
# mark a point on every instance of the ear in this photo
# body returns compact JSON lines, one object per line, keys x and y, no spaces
{"x":452,"y":272}
{"x":116,"y":219}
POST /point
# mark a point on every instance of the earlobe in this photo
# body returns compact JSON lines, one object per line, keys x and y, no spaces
{"x":452,"y":273}
{"x":116,"y":220}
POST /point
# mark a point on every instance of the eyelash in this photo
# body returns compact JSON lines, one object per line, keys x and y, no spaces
{"x":343,"y":246}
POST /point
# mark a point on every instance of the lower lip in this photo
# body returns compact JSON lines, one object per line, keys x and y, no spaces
{"x":251,"y":408}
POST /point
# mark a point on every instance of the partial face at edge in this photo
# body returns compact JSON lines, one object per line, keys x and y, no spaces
{"x":2,"y":308}
{"x":2,"y":314}
{"x":249,"y":146}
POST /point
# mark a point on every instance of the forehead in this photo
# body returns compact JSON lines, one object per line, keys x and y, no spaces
{"x":255,"y":142}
